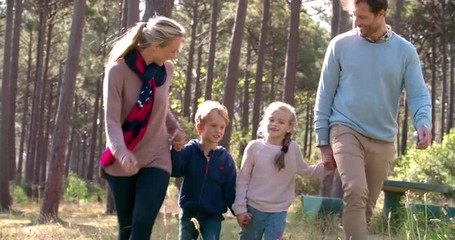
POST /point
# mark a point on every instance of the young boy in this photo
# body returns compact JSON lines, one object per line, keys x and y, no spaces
{"x":209,"y":175}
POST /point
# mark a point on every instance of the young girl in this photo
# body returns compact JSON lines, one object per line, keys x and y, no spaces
{"x":265,"y":186}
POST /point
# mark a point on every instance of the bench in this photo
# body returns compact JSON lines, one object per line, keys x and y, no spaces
{"x":395,"y":190}
{"x":317,"y":205}
{"x":393,"y":195}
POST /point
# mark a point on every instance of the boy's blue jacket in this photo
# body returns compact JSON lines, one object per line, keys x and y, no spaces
{"x":208,"y":187}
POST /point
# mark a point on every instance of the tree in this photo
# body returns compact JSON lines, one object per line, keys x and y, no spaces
{"x":212,"y":50}
{"x":5,"y":198}
{"x":260,"y":67}
{"x":233,"y":67}
{"x":292,"y":50}
{"x":31,"y":174}
{"x":51,"y":200}
{"x":158,"y":8}
{"x":189,"y":69}
{"x":132,"y":12}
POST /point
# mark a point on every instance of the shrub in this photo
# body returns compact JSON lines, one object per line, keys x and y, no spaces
{"x":434,"y":165}
{"x":18,"y":194}
{"x":75,"y":189}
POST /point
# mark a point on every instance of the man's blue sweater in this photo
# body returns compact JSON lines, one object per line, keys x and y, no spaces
{"x":361,"y":84}
{"x":208,"y":187}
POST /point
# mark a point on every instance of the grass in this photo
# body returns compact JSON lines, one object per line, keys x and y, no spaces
{"x":88,"y":221}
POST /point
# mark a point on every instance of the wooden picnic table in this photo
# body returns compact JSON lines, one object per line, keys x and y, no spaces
{"x":395,"y":190}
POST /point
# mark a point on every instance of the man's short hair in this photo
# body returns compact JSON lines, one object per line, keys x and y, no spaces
{"x":375,"y":5}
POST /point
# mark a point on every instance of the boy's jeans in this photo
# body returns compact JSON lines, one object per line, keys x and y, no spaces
{"x":210,"y":226}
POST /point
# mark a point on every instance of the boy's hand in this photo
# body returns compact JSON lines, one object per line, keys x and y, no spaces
{"x":178,"y":140}
{"x":129,"y":163}
{"x":243,"y":219}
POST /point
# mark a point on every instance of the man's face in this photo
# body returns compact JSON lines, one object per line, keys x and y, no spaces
{"x":367,"y":22}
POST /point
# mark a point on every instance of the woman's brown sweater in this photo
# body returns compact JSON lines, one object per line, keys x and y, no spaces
{"x":121,"y":89}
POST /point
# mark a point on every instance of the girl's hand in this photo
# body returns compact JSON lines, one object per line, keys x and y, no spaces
{"x":243,"y":219}
{"x":329,"y":164}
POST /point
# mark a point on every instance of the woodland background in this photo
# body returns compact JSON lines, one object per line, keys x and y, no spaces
{"x":243,"y":53}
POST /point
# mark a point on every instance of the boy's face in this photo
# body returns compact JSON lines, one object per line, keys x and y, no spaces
{"x":212,"y":129}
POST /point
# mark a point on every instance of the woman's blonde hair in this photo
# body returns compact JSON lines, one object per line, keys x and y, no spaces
{"x":159,"y":30}
{"x":262,"y":130}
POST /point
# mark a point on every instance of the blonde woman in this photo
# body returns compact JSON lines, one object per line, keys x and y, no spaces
{"x":137,"y":162}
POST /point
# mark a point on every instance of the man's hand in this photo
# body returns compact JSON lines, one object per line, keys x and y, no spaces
{"x":423,"y":137}
{"x":243,"y":219}
{"x":327,"y":157}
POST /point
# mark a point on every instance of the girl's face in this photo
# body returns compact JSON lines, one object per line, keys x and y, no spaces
{"x":279,"y":123}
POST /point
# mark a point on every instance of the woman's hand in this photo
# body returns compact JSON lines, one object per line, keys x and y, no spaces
{"x":178,"y":139}
{"x":129,"y":163}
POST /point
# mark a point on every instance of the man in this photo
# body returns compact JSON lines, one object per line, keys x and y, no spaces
{"x":362,"y":78}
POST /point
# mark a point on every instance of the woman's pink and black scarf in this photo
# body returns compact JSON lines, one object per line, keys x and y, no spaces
{"x":136,"y":123}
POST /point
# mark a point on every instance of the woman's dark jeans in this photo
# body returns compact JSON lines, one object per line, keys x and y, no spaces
{"x":138,"y":200}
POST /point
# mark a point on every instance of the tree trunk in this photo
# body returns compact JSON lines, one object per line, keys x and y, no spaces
{"x":110,"y":203}
{"x":13,"y":87}
{"x":189,"y":70}
{"x":123,"y":23}
{"x":91,"y":157}
{"x":158,"y":8}
{"x":260,"y":67}
{"x":5,"y":197}
{"x":212,"y":50}
{"x":233,"y":66}
{"x":444,"y":42}
{"x":133,"y":13}
{"x":46,"y":102}
{"x":450,"y":116}
{"x":25,"y":126}
{"x":197,"y":86}
{"x":292,"y":51}
{"x":433,"y":83}
{"x":404,"y":130}
{"x":31,"y":181}
{"x":246,"y":94}
{"x":307,"y":126}
{"x":51,"y":200}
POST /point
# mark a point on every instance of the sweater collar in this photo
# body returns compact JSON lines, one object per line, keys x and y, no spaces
{"x":387,"y":35}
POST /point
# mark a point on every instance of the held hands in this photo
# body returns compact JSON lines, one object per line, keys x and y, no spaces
{"x":243,"y":219}
{"x":129,"y":163}
{"x":327,"y":158}
{"x":423,"y":137}
{"x":178,"y":140}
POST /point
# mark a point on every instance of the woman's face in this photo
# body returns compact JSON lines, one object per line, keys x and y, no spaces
{"x":168,"y":52}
